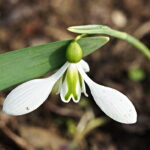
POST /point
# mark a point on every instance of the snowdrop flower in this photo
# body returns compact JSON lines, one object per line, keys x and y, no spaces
{"x":72,"y":78}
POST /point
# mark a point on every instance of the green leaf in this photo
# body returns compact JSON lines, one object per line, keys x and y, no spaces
{"x":28,"y":63}
{"x":101,"y":29}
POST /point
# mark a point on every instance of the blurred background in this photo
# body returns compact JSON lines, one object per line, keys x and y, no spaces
{"x":82,"y":126}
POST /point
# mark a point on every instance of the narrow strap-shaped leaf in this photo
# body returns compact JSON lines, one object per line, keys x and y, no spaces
{"x":28,"y":63}
{"x":101,"y":29}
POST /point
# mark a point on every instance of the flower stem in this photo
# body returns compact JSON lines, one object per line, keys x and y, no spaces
{"x":132,"y":40}
{"x":102,"y":29}
{"x":80,"y":36}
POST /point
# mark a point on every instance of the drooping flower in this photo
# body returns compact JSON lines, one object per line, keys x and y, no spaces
{"x":72,"y":78}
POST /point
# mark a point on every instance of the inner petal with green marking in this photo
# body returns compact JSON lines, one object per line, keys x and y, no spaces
{"x":71,"y":84}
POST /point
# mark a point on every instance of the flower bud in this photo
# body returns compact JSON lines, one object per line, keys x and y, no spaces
{"x":74,"y":52}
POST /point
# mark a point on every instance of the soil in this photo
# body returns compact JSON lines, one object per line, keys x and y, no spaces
{"x":55,"y":125}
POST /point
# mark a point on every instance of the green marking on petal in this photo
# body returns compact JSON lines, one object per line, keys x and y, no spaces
{"x":72,"y":80}
{"x":80,"y":79}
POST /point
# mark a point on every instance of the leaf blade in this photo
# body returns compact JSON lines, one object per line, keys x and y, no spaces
{"x":21,"y":65}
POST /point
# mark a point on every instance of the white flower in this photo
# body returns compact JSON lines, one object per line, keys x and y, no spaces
{"x":71,"y":76}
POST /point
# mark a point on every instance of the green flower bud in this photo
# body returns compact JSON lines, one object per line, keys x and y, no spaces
{"x":74,"y":52}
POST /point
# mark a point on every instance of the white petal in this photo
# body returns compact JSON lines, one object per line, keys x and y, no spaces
{"x":86,"y":68}
{"x":30,"y":95}
{"x":78,"y":91}
{"x":84,"y":65}
{"x":63,"y":91}
{"x":84,"y":88}
{"x":112,"y":102}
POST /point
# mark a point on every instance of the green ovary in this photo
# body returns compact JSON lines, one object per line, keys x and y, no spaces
{"x":72,"y":80}
{"x":74,"y":52}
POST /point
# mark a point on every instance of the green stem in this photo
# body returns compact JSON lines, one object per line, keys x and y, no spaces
{"x":80,"y":36}
{"x":101,"y":29}
{"x":132,"y":40}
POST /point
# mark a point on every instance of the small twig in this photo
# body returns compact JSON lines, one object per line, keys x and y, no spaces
{"x":63,"y":111}
{"x":142,"y":30}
